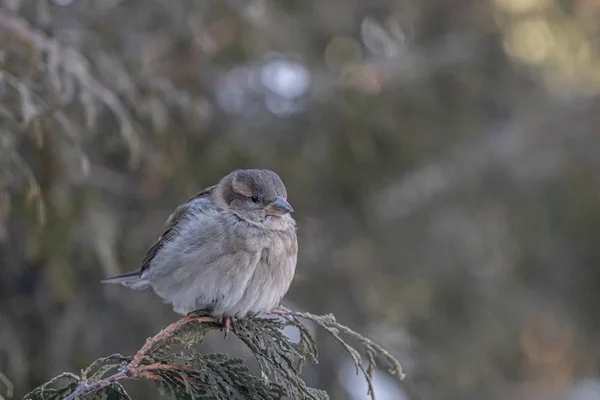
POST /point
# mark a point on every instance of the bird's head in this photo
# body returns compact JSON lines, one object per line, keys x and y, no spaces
{"x":253,"y":194}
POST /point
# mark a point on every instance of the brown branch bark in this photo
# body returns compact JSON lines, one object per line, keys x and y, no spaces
{"x":135,"y":369}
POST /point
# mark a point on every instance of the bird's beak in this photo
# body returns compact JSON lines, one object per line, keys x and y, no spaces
{"x":279,"y":207}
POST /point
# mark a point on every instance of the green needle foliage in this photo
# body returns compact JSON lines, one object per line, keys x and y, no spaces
{"x":170,"y":360}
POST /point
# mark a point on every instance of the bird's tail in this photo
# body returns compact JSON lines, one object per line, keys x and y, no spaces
{"x":131,"y":280}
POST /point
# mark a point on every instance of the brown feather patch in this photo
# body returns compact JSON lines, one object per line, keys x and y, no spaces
{"x":241,"y":187}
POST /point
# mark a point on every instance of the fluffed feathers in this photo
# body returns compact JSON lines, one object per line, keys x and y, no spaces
{"x":231,"y":248}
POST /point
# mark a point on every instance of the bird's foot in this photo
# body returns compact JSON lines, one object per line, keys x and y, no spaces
{"x":193,"y":316}
{"x":189,"y":316}
{"x":197,"y":316}
{"x":226,"y":321}
{"x":278,"y":311}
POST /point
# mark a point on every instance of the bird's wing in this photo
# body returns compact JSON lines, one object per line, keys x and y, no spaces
{"x":172,"y":223}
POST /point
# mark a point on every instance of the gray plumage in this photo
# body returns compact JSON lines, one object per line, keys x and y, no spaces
{"x":230,"y":249}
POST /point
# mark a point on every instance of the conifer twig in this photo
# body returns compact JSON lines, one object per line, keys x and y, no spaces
{"x":135,"y":369}
{"x":201,"y":375}
{"x":329,"y":323}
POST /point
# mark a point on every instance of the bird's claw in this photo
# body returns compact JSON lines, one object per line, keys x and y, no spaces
{"x":226,"y":325}
{"x":278,"y":311}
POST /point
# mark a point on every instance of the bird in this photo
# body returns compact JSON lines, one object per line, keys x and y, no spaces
{"x":230,"y":250}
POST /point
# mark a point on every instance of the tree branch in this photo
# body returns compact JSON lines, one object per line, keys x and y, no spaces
{"x":192,"y":374}
{"x":135,"y":370}
{"x":329,"y":323}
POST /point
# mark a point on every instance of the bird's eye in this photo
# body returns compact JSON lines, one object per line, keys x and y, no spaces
{"x":254,"y":199}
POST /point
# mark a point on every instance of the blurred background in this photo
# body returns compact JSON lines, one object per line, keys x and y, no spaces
{"x":443,"y":159}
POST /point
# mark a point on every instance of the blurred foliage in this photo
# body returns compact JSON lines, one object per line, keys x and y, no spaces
{"x":442,"y":157}
{"x":7,"y":387}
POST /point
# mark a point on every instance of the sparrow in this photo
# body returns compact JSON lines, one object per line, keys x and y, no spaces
{"x":229,"y":250}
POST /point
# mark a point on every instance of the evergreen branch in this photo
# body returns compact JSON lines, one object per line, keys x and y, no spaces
{"x":164,"y":335}
{"x":135,"y":369}
{"x":217,"y":376}
{"x":329,"y":324}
